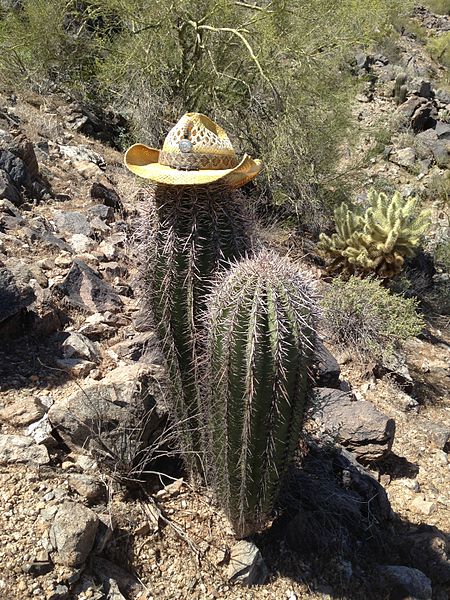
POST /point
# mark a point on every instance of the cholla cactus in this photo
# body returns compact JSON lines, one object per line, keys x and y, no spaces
{"x":377,"y":242}
{"x":259,"y":348}
{"x":189,"y":233}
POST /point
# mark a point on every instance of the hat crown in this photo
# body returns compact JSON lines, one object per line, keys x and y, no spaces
{"x":196,"y":142}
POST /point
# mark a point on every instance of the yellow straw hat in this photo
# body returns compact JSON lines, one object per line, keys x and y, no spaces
{"x":196,"y":151}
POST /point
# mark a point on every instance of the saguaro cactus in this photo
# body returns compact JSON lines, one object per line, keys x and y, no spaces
{"x":190,"y":232}
{"x":260,"y":343}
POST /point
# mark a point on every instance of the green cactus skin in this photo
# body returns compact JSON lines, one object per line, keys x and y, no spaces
{"x":189,"y":233}
{"x":400,"y":89}
{"x":402,"y":93}
{"x":259,"y":348}
{"x":377,"y":242}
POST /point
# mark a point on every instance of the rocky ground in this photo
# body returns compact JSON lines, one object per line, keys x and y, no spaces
{"x":367,"y":514}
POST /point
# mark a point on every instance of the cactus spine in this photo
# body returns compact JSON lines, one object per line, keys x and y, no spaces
{"x":378,"y":241}
{"x":190,"y":233}
{"x":260,"y":342}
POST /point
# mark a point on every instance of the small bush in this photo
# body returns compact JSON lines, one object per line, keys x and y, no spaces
{"x":442,"y":255}
{"x":439,"y":48}
{"x":363,"y":315}
{"x":439,"y":7}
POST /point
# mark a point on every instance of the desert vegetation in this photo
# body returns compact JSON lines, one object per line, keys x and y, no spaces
{"x":239,"y":381}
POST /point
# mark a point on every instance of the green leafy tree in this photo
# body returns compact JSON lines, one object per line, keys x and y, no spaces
{"x":273,"y":73}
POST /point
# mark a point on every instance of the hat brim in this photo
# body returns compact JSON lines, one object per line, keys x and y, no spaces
{"x":143,"y":161}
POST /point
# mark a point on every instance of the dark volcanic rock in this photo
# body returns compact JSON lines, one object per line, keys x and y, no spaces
{"x":326,"y":368}
{"x":24,"y":149}
{"x":13,"y":296}
{"x":108,"y":196}
{"x":15,"y":167}
{"x":355,"y":424}
{"x":328,"y":498}
{"x":86,"y":290}
{"x":8,"y":190}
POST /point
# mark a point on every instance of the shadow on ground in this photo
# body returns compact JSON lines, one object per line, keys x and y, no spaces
{"x":337,"y":534}
{"x":29,"y":361}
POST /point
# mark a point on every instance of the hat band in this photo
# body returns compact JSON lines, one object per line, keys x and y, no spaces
{"x":191,"y":161}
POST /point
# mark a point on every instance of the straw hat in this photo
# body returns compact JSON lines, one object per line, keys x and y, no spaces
{"x":196,"y":151}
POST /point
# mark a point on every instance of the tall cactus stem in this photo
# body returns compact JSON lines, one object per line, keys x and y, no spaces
{"x":188,"y":233}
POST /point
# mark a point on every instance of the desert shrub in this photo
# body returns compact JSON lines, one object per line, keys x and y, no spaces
{"x":440,"y":7}
{"x":442,"y":255}
{"x":368,"y":319}
{"x":439,"y":48}
{"x":438,"y":190}
{"x":44,"y":43}
{"x":274,"y":74}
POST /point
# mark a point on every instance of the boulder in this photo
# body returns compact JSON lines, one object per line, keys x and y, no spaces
{"x":443,"y":130}
{"x":71,"y":222}
{"x":21,"y":449}
{"x":120,"y":412}
{"x":76,"y":345}
{"x":426,"y":549}
{"x":405,"y":157}
{"x":441,"y":153}
{"x":424,"y":117}
{"x":81,"y":243}
{"x":108,"y":196}
{"x":14,"y":167}
{"x":326,"y":368}
{"x":89,"y":488}
{"x":84,"y":289}
{"x":247,"y":566}
{"x":355,"y":424}
{"x":409,"y":107}
{"x":438,"y":434}
{"x":328,"y":496}
{"x":8,"y":190}
{"x":14,"y":296}
{"x":23,"y":411}
{"x":73,"y":534}
{"x":82,"y":154}
{"x":103,"y":212}
{"x":405,"y":582}
{"x":23,"y":148}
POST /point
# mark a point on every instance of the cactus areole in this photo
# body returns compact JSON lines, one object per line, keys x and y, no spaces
{"x":259,"y":348}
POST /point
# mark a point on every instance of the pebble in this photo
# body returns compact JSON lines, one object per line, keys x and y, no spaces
{"x":420,"y":505}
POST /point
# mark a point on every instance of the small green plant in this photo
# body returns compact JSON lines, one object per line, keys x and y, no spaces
{"x":400,"y":89}
{"x":440,"y":7}
{"x":442,"y":255}
{"x":260,"y":343}
{"x":439,"y":48}
{"x":367,"y":318}
{"x":377,"y":242}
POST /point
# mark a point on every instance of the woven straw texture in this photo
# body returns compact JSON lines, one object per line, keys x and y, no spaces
{"x":196,"y":151}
